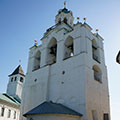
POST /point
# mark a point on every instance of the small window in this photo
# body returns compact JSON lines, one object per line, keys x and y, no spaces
{"x":9,"y":113}
{"x":59,"y":21}
{"x":2,"y":111}
{"x":15,"y":79}
{"x":12,"y":79}
{"x":31,"y":118}
{"x":14,"y":114}
{"x":21,"y":79}
{"x":65,"y":20}
{"x":105,"y":116}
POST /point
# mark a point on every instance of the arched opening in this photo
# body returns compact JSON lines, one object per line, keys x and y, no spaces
{"x":21,"y":79}
{"x":59,"y":22}
{"x":12,"y":79}
{"x":52,"y":51}
{"x":65,"y":20}
{"x":2,"y":111}
{"x":14,"y":114}
{"x":95,"y":51}
{"x":97,"y":73}
{"x":69,"y":48}
{"x":37,"y":59}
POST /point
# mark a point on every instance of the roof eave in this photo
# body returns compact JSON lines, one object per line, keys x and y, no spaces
{"x":25,"y":115}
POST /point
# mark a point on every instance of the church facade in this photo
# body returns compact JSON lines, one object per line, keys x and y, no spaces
{"x":66,"y":75}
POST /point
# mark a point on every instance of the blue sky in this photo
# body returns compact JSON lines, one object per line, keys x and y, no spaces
{"x":23,"y":21}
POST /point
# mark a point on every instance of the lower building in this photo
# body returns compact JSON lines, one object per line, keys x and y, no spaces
{"x":10,"y":102}
{"x":9,"y":108}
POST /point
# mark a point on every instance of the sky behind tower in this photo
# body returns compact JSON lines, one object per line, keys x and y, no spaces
{"x":23,"y":21}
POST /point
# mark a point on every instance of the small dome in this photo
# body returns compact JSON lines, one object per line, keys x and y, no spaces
{"x":65,"y":10}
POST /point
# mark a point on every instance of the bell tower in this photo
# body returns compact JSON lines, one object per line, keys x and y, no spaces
{"x":67,"y":70}
{"x":15,"y":84}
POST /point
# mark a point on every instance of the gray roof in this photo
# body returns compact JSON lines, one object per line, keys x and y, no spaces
{"x":52,"y":108}
{"x":18,"y":70}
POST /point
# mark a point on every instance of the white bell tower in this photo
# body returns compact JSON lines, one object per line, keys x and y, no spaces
{"x":15,"y":84}
{"x":69,"y":69}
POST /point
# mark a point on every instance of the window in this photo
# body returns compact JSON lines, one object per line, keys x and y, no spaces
{"x":14,"y":114}
{"x":52,"y":51}
{"x":94,"y":115}
{"x":15,"y":79}
{"x":9,"y":113}
{"x":59,"y":20}
{"x":12,"y":79}
{"x":65,"y":20}
{"x":31,"y":118}
{"x":97,"y":73}
{"x":2,"y":111}
{"x":69,"y":48}
{"x":21,"y":79}
{"x":105,"y":116}
{"x":95,"y":51}
{"x":37,"y":59}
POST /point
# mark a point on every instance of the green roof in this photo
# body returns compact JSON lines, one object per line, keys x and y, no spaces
{"x":9,"y":99}
{"x":65,"y":10}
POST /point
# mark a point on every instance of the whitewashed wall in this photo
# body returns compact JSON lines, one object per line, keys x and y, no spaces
{"x":13,"y":108}
{"x":76,"y":88}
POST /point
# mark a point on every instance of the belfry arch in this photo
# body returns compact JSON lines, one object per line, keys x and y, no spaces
{"x":52,"y":51}
{"x":37,"y":59}
{"x":68,"y":47}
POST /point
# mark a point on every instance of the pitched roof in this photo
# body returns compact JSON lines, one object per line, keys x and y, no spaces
{"x":18,"y":70}
{"x":9,"y":99}
{"x":52,"y":108}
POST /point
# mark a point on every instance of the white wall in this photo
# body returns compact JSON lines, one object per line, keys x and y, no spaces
{"x":76,"y":88}
{"x":9,"y":106}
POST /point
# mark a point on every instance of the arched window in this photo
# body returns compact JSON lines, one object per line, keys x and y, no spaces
{"x":95,"y":51}
{"x":12,"y":79}
{"x":2,"y":111}
{"x":59,"y":20}
{"x":37,"y":59}
{"x":9,"y":113}
{"x":65,"y":20}
{"x":52,"y":51}
{"x":21,"y":79}
{"x":14,"y":114}
{"x":97,"y":73}
{"x":15,"y":78}
{"x":69,"y":48}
